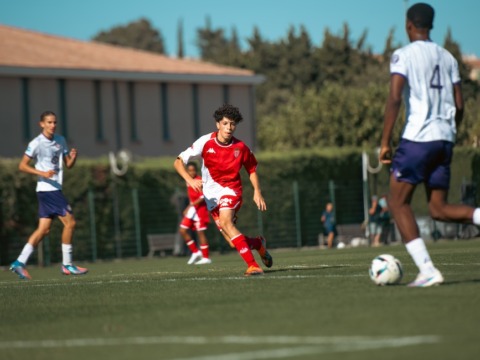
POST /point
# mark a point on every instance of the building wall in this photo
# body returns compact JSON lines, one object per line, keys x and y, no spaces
{"x":11,"y":119}
{"x":147,"y":118}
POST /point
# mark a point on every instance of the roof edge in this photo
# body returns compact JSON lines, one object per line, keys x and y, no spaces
{"x":131,"y":75}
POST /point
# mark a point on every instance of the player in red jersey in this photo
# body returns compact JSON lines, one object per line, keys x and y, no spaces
{"x":195,"y":218}
{"x":223,"y":157}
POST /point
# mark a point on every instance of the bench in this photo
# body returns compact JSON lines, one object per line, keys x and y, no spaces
{"x":160,"y":242}
{"x":345,"y":233}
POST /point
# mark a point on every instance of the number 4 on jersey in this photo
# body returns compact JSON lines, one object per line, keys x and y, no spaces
{"x":435,"y":82}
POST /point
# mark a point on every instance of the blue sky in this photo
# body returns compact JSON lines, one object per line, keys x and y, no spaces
{"x":83,"y":19}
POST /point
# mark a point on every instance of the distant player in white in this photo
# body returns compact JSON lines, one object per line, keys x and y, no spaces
{"x":428,"y":77}
{"x":49,"y":152}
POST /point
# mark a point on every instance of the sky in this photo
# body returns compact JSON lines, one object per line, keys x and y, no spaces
{"x":83,"y":19}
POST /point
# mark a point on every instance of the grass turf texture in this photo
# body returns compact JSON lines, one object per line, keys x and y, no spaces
{"x":312,"y":304}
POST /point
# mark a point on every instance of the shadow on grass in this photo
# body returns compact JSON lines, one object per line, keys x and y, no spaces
{"x":304,"y":268}
{"x":466,"y":281}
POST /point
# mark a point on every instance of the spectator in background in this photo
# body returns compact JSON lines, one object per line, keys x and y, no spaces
{"x":329,"y":224}
{"x":379,"y":219}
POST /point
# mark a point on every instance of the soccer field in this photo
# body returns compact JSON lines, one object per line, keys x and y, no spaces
{"x":312,"y":304}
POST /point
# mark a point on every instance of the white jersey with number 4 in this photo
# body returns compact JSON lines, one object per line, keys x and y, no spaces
{"x":430,"y":71}
{"x":48,"y":155}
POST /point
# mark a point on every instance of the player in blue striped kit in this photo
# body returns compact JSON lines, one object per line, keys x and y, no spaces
{"x":427,"y":76}
{"x":49,"y":151}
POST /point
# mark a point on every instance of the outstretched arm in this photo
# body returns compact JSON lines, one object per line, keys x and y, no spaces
{"x":392,"y":108}
{"x":257,"y":192}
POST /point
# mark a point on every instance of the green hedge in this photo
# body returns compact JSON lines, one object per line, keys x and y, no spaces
{"x":157,"y":181}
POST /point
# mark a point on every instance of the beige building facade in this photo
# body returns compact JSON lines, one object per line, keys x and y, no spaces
{"x":109,"y":98}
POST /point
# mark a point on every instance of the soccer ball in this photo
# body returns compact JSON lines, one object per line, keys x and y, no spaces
{"x":386,"y":270}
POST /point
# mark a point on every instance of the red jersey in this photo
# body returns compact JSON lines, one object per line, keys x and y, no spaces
{"x":221,"y":166}
{"x":194,"y":195}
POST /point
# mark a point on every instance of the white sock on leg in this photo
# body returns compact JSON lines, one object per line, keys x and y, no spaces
{"x":476,"y":216}
{"x":26,"y":252}
{"x":419,"y":253}
{"x":67,"y":254}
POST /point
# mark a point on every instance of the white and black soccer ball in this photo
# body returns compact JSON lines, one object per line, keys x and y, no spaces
{"x":386,"y":270}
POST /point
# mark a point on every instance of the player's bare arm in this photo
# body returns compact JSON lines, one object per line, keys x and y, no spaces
{"x":25,"y":167}
{"x":180,"y":168}
{"x":457,"y":93}
{"x":70,"y":158}
{"x":257,"y":192}
{"x":397,"y":82}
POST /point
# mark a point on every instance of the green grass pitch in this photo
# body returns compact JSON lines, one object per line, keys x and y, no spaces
{"x":312,"y":304}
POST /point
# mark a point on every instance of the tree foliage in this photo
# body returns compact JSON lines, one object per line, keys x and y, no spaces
{"x":332,"y":94}
{"x":138,"y":34}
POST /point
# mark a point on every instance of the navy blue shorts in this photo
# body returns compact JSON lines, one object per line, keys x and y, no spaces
{"x":52,"y":204}
{"x":329,"y":228}
{"x":423,"y":162}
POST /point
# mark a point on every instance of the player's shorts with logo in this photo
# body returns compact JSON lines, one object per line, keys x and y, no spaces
{"x":195,"y":221}
{"x":52,"y":204}
{"x":423,"y":162}
{"x":226,"y":202}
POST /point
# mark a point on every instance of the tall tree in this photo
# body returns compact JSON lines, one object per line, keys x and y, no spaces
{"x":138,"y":34}
{"x":180,"y":45}
{"x":389,"y":45}
{"x":212,"y":43}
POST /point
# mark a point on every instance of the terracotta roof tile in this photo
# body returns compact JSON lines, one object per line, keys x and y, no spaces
{"x":24,"y":48}
{"x":472,"y":61}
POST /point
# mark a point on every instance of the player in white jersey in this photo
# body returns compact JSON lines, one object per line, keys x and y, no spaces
{"x":49,"y":152}
{"x":223,"y":157}
{"x":427,"y":77}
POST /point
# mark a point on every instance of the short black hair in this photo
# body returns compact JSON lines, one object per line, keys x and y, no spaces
{"x":46,"y":113}
{"x":229,"y":111}
{"x":421,"y":15}
{"x":192,"y":163}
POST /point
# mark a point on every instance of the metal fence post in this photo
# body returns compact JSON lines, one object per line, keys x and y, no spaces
{"x":136,"y":215}
{"x":260,"y":222}
{"x":296,"y":199}
{"x":331,"y":191}
{"x":93,"y":224}
{"x":116,"y":219}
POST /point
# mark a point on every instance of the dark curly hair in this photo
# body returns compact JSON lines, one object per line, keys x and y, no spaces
{"x":229,"y":111}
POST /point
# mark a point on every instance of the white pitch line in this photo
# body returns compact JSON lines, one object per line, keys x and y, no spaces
{"x":267,"y":276}
{"x":339,"y":342}
{"x":322,"y":349}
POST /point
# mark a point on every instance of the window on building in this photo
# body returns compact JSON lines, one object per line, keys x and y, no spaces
{"x":62,"y":102}
{"x":25,"y":89}
{"x":226,"y":94}
{"x":99,"y":126}
{"x":164,"y":111}
{"x":196,"y":111}
{"x":131,"y":111}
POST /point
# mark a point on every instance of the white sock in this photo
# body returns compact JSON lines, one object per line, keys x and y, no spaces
{"x":476,"y":216}
{"x":25,"y":254}
{"x":419,"y":253}
{"x":67,"y":254}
